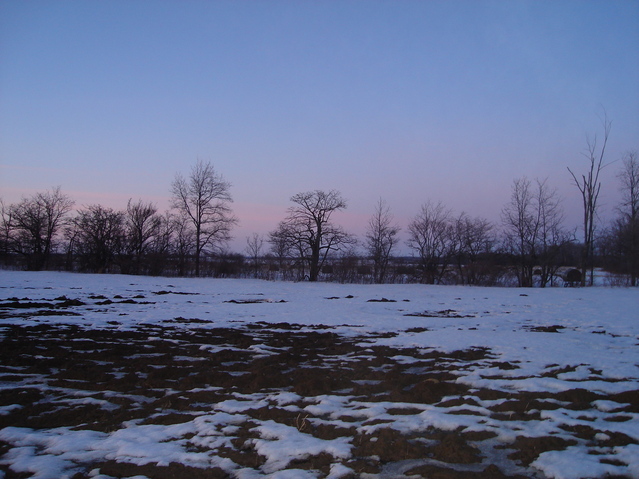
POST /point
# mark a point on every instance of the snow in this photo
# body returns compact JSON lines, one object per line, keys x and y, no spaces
{"x":280,"y":444}
{"x":576,"y":463}
{"x":595,"y":349}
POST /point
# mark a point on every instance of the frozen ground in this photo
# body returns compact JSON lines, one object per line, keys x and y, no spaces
{"x":122,"y":376}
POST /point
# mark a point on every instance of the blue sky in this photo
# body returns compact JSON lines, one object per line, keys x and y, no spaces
{"x":406,"y":100}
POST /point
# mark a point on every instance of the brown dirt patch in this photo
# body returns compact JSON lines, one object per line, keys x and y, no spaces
{"x":166,"y":375}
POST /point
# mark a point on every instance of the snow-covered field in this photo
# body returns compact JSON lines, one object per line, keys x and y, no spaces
{"x":249,"y":379}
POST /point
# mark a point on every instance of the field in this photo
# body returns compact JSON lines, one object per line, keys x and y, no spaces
{"x":107,"y":376}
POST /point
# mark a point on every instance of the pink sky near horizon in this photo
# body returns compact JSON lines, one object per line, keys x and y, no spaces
{"x":262,"y":218}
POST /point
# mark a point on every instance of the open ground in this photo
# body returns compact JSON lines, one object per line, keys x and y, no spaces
{"x":124,"y":376}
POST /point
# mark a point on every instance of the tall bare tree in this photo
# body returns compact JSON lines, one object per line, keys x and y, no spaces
{"x":626,"y":227}
{"x":98,"y":235}
{"x":381,"y":237}
{"x":308,"y":229}
{"x":533,"y":230}
{"x":288,"y":240}
{"x":629,"y":178}
{"x":475,"y":240}
{"x":589,"y":186}
{"x":281,"y":244}
{"x":158,"y":249}
{"x":183,"y":241}
{"x":430,"y":235}
{"x":34,"y":223}
{"x":204,"y":198}
{"x":5,"y":224}
{"x":142,"y":225}
{"x":518,"y":218}
{"x":553,"y":239}
{"x":254,"y":245}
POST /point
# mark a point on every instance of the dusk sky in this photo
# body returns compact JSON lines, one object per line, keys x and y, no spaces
{"x":405,"y":100}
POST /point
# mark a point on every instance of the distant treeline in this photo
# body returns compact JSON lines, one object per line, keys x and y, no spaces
{"x":529,"y":247}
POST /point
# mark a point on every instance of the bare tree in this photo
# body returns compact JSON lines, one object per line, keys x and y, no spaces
{"x":142,"y":225}
{"x":552,"y":237}
{"x":533,"y":230}
{"x":160,"y":244}
{"x":281,"y":244}
{"x":98,"y":234}
{"x":254,"y":245}
{"x":589,"y":186}
{"x":288,"y":240}
{"x":204,"y":198}
{"x":308,"y":230}
{"x":625,"y":230}
{"x":430,"y":235}
{"x":475,"y":240}
{"x":381,"y":237}
{"x":518,"y":218}
{"x":5,"y":235}
{"x":183,"y":241}
{"x":34,"y":223}
{"x":629,"y":178}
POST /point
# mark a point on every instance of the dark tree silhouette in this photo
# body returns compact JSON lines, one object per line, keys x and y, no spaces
{"x":254,"y":245}
{"x":623,"y":237}
{"x":204,"y":199}
{"x":142,"y":225}
{"x":308,"y":230}
{"x":430,"y":235}
{"x":533,"y":233}
{"x":589,"y":186}
{"x":33,"y":224}
{"x":475,"y":241}
{"x":381,"y":238}
{"x":98,"y":236}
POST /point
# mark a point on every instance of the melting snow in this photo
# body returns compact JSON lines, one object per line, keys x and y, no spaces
{"x":595,"y":349}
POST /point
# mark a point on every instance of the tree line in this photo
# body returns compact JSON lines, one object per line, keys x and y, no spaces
{"x":530,"y":246}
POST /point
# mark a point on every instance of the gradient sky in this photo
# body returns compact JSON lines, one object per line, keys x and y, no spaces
{"x":406,"y":100}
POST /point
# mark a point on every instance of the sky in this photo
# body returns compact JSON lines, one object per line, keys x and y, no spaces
{"x":409,"y":101}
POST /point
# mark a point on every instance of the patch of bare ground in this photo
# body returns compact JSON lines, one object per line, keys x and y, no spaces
{"x":529,"y":448}
{"x":438,"y":472}
{"x":98,"y":379}
{"x":173,"y":471}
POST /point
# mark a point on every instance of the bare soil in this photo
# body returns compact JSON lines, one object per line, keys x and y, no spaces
{"x":157,"y":373}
